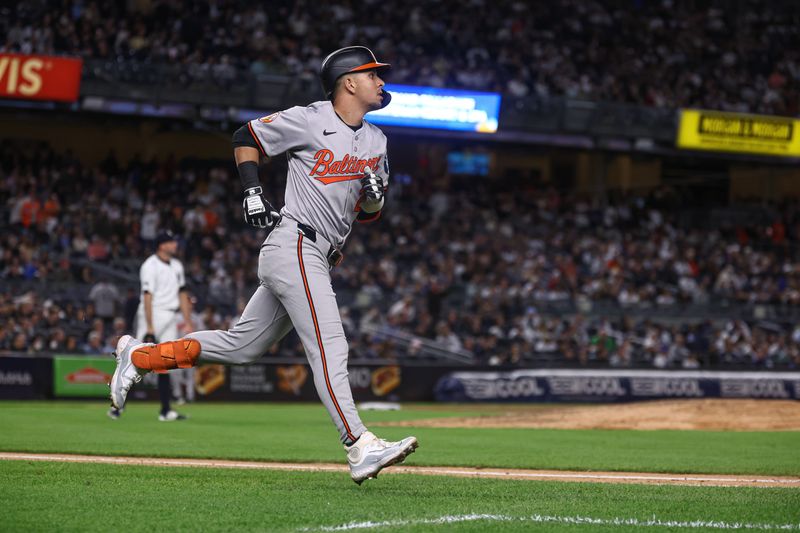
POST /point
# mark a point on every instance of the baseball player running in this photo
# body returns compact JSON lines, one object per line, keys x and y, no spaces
{"x":338,"y":174}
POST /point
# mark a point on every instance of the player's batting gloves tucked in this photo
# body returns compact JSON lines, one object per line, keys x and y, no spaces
{"x":371,"y":186}
{"x":257,"y":210}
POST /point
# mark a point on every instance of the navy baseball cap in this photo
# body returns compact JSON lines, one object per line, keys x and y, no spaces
{"x":165,"y":236}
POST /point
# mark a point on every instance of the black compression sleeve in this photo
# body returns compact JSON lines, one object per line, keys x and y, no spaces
{"x":248,"y":173}
{"x":242,"y":137}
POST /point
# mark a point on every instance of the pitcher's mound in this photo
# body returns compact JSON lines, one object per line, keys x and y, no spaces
{"x":711,"y":414}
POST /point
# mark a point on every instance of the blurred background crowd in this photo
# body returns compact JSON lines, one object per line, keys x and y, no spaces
{"x":506,"y":273}
{"x":499,"y":270}
{"x":741,"y":56}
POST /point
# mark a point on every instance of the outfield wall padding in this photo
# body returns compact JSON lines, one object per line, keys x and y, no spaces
{"x":62,"y":376}
{"x":559,"y":385}
{"x":26,"y":378}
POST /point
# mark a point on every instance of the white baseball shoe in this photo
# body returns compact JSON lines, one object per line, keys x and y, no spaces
{"x":126,"y":373}
{"x":171,"y":416}
{"x":369,"y":455}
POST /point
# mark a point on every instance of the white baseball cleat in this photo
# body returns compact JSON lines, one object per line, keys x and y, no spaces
{"x":369,"y":455}
{"x":126,"y":373}
{"x":171,"y":416}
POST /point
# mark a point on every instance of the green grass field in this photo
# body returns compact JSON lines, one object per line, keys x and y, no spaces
{"x":38,"y":496}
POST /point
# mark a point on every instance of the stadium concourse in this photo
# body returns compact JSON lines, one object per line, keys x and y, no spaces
{"x":664,"y":54}
{"x":536,"y":277}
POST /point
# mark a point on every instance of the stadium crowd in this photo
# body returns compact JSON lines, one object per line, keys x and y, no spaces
{"x":717,"y":55}
{"x":474,"y":270}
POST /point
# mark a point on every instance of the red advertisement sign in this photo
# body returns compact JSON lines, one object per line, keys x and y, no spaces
{"x":27,"y":77}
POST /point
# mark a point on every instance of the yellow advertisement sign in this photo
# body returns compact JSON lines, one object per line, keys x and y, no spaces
{"x":740,"y":133}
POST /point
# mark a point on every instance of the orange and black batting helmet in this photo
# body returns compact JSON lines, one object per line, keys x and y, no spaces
{"x":349,"y":59}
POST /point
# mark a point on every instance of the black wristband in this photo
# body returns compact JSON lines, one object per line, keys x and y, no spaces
{"x":248,"y":173}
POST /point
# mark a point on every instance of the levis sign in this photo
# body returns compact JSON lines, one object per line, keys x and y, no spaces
{"x":40,"y":77}
{"x":348,"y":168}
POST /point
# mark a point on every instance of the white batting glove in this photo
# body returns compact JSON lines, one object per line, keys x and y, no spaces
{"x":257,"y":210}
{"x":372,"y":186}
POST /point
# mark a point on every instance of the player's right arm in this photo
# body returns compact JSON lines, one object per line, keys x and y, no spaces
{"x":148,"y":317}
{"x":257,"y":210}
{"x":267,"y":136}
{"x":148,"y":280}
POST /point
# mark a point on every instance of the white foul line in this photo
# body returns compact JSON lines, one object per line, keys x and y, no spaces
{"x":576,"y":520}
{"x":665,"y":479}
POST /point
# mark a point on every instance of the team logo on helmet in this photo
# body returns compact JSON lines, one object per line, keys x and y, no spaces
{"x":269,"y":118}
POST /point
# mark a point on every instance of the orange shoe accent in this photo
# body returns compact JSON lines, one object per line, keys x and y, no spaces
{"x":164,"y":356}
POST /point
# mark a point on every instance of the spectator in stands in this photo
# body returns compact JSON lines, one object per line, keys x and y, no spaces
{"x":106,"y":297}
{"x":149,"y":224}
{"x":653,"y":54}
{"x":94,"y":343}
{"x":509,"y":285}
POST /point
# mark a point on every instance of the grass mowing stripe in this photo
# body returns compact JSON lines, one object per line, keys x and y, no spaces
{"x":304,"y":433}
{"x":544,"y":519}
{"x":85,"y":498}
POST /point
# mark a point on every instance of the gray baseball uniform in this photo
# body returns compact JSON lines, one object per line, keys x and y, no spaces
{"x":326,"y":162}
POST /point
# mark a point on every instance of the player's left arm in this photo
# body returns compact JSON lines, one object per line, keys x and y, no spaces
{"x":374,"y":185}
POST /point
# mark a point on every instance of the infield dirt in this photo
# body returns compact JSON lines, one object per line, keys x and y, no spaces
{"x":707,"y":414}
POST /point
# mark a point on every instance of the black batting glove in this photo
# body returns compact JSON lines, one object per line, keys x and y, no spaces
{"x":371,"y":186}
{"x":257,"y":210}
{"x":149,"y":338}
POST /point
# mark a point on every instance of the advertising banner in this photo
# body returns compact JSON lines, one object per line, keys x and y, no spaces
{"x":254,"y":382}
{"x":25,"y":378}
{"x":286,"y":380}
{"x":294,"y":381}
{"x":85,"y":377}
{"x":612,"y":385}
{"x":739,"y":133}
{"x":33,"y":77}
